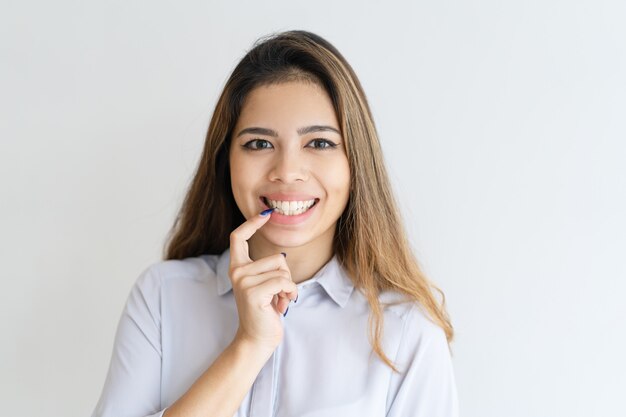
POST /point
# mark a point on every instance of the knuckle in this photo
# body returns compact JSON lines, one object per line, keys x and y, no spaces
{"x":245,"y":281}
{"x":235,"y":272}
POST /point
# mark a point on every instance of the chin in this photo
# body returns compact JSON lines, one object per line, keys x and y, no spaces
{"x":286,"y":239}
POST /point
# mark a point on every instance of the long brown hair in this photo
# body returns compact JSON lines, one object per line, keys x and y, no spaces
{"x":370,"y":240}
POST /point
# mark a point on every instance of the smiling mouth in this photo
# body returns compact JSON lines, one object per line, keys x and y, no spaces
{"x":290,"y":208}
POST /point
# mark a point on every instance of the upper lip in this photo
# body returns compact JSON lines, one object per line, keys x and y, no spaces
{"x":289,"y":197}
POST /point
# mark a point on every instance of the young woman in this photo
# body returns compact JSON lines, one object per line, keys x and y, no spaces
{"x":289,"y":287}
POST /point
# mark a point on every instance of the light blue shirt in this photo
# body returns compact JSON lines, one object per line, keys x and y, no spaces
{"x":181,"y":314}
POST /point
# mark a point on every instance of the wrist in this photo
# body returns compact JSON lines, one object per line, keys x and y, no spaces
{"x":247,"y":348}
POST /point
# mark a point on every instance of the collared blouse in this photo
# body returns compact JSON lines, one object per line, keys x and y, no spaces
{"x":180,"y":315}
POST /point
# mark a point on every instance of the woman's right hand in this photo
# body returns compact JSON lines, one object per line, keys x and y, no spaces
{"x":262,"y":288}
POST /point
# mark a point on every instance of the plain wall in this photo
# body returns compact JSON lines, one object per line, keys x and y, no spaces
{"x":503,"y":127}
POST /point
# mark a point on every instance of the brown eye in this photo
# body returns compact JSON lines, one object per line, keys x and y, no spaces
{"x":257,"y":144}
{"x":323,"y":144}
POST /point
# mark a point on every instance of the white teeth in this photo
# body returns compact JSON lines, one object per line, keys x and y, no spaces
{"x":290,"y":208}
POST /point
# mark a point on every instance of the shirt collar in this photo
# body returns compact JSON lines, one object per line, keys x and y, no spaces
{"x":332,"y":277}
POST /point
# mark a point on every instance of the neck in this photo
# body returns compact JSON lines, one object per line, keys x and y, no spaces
{"x":303,"y":261}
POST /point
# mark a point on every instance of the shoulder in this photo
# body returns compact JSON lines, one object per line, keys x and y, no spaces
{"x":201,"y":268}
{"x":416,"y":322}
{"x":420,"y":327}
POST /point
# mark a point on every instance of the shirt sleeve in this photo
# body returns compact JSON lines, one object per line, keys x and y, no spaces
{"x":133,"y":384}
{"x":425,"y":386}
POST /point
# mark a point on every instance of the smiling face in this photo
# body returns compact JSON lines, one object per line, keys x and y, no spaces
{"x":287,"y":152}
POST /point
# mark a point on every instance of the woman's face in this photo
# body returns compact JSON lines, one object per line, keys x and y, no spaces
{"x":287,"y":152}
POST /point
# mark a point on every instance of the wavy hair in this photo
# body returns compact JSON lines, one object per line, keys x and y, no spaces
{"x":370,"y":240}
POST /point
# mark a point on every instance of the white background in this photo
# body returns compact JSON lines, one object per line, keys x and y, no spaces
{"x":502,"y":123}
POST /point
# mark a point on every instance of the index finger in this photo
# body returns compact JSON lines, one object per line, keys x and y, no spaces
{"x":239,"y":254}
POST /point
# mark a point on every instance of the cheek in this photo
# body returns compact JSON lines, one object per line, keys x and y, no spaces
{"x":239,"y":178}
{"x":337,"y":178}
{"x":246,"y":176}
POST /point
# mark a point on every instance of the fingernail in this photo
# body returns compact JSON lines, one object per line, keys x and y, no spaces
{"x":284,"y":254}
{"x":266,"y":212}
{"x":286,"y":311}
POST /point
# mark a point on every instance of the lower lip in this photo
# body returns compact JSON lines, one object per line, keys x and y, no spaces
{"x":278,"y":218}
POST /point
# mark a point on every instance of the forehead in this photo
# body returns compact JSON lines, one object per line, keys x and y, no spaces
{"x":287,"y":105}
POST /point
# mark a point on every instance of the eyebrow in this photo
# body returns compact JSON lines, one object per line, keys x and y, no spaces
{"x":301,"y":131}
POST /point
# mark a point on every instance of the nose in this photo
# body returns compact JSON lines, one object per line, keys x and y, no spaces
{"x":288,"y":166}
